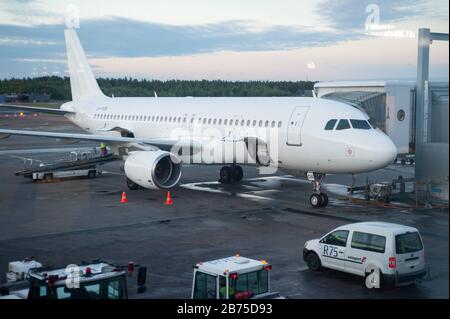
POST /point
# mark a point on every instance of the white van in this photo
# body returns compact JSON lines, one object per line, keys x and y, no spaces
{"x":391,"y":252}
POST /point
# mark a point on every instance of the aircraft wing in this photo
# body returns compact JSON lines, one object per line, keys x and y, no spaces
{"x":162,"y":143}
{"x":33,"y":109}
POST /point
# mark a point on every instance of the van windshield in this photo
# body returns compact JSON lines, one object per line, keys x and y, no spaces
{"x":408,"y":243}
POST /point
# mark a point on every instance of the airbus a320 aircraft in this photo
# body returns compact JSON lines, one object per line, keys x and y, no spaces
{"x":155,"y":136}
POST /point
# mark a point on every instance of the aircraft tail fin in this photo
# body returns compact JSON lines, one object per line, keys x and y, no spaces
{"x":82,"y":81}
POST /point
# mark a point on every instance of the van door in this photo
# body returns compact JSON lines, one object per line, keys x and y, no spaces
{"x":295,"y":125}
{"x":364,"y":249}
{"x":332,"y":249}
{"x":409,"y":253}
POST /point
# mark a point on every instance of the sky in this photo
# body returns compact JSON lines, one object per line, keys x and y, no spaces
{"x":235,"y":40}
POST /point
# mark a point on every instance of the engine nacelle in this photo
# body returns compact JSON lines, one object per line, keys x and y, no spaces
{"x":153,"y":169}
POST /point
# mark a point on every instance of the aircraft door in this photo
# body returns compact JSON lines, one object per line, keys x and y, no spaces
{"x":295,"y":125}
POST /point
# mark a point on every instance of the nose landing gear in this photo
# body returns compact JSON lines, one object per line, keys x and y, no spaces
{"x":231,"y":174}
{"x":317,"y":199}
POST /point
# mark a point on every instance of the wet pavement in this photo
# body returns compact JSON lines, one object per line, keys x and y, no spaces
{"x":263,"y":217}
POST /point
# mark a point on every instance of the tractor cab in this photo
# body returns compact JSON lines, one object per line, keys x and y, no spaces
{"x":96,"y":280}
{"x":232,"y":278}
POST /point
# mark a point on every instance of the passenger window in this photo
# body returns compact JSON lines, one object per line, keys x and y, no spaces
{"x":280,"y":124}
{"x":248,"y":122}
{"x":273,"y":124}
{"x":260,"y":123}
{"x":267,"y":123}
{"x":336,"y":238}
{"x":254,"y":122}
{"x":330,"y":125}
{"x":242,"y":122}
{"x":225,"y":122}
{"x":220,"y":121}
{"x":360,"y":124}
{"x":209,"y":121}
{"x":370,"y":242}
{"x":343,"y":125}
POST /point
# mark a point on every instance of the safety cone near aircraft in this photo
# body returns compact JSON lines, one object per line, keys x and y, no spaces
{"x":124,"y":198}
{"x":169,"y":200}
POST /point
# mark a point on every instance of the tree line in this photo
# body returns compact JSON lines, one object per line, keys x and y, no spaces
{"x":59,"y":88}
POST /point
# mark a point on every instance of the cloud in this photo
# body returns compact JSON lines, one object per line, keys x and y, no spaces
{"x":130,"y":38}
{"x":351,"y":14}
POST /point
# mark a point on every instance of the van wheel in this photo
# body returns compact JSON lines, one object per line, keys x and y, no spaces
{"x":92,"y":174}
{"x":48,"y":177}
{"x":313,"y":261}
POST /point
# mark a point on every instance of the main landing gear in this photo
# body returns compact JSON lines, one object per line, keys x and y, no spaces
{"x":317,"y":199}
{"x":231,"y":174}
{"x":132,"y":185}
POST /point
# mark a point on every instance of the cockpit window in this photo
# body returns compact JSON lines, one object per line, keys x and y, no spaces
{"x":330,"y":125}
{"x":360,"y":124}
{"x":343,"y":125}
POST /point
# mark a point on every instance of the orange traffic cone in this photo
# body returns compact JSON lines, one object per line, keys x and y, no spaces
{"x":124,"y":198}
{"x":169,"y":200}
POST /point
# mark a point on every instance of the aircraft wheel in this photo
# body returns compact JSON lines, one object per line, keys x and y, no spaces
{"x":132,"y":185}
{"x":324,"y":197}
{"x":315,"y":200}
{"x":237,"y":173}
{"x":226,"y":175}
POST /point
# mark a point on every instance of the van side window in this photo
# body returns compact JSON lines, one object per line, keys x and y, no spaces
{"x":370,"y":242}
{"x":337,"y":238}
{"x":343,"y":125}
{"x":330,"y":125}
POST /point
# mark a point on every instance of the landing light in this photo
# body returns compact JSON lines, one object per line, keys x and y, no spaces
{"x":233,"y":276}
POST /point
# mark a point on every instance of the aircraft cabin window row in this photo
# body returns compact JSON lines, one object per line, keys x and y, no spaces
{"x":179,"y":119}
{"x":344,"y":124}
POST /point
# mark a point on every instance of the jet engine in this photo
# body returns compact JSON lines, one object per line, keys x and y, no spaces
{"x":153,"y":169}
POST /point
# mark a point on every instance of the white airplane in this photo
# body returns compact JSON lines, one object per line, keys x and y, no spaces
{"x":156,"y":135}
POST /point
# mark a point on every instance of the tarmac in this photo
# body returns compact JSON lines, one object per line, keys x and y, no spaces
{"x":263,"y":217}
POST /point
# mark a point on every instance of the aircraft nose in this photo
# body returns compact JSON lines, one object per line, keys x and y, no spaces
{"x":387,"y":152}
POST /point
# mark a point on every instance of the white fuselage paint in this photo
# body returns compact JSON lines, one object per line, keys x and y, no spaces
{"x":303,"y":143}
